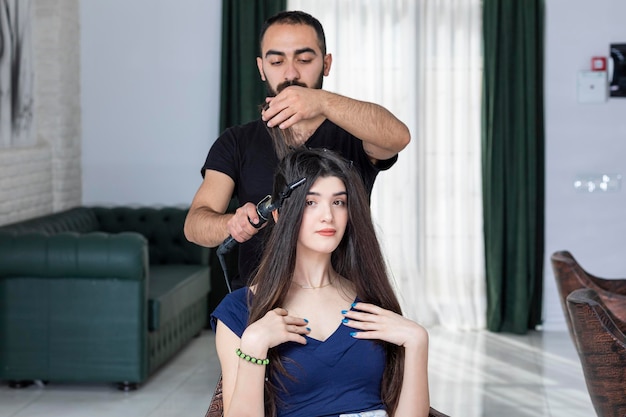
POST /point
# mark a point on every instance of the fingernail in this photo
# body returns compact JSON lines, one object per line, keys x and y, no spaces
{"x":308,"y":329}
{"x":352,"y":334}
{"x":306,"y":321}
{"x":344,"y":311}
{"x":353,"y":305}
{"x":345,"y":320}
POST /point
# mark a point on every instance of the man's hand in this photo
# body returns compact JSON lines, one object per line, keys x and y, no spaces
{"x":383,"y":135}
{"x":292,"y":105}
{"x":239,"y":225}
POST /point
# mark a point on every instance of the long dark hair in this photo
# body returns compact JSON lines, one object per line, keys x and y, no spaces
{"x":357,"y":258}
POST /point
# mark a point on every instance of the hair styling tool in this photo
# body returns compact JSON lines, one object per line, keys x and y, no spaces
{"x":264,"y":209}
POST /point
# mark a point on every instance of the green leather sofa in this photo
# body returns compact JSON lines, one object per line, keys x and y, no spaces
{"x":98,"y":294}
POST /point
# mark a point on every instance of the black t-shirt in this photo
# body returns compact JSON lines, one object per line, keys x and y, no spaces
{"x":246,"y":154}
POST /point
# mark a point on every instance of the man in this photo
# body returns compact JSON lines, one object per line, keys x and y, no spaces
{"x":297,"y":112}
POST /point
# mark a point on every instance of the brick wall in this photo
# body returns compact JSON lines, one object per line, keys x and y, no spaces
{"x":46,"y":178}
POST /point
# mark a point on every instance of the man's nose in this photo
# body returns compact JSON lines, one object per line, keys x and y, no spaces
{"x":291,"y":72}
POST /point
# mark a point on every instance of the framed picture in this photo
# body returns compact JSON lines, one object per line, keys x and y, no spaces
{"x":16,"y":73}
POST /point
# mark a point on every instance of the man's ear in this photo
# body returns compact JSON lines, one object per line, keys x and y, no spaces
{"x":328,"y":60}
{"x":259,"y":64}
{"x":275,"y":215}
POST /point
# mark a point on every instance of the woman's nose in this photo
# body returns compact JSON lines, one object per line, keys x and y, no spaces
{"x":327,"y":213}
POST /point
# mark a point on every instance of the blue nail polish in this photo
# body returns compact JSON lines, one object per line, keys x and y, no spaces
{"x":352,"y":334}
{"x":345,"y":320}
{"x":306,"y":321}
{"x":353,"y":305}
{"x":308,"y":329}
{"x":344,"y":311}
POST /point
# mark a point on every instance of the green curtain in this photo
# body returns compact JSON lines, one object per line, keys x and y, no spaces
{"x":242,"y":90}
{"x":513,"y":162}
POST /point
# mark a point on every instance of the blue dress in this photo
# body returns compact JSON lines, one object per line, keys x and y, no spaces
{"x":338,"y":376}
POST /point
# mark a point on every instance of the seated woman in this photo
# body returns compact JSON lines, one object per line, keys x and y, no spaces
{"x":320,"y":332}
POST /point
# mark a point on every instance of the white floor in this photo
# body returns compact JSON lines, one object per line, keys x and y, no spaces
{"x":472,"y":374}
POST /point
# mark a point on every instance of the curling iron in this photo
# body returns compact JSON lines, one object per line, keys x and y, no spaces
{"x":264,"y":209}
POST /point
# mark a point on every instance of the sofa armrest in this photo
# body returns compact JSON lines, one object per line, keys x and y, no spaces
{"x":91,"y":255}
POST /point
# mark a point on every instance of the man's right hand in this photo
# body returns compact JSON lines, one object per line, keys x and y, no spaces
{"x":240,"y":225}
{"x":206,"y":222}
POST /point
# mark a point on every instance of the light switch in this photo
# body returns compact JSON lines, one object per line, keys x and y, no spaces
{"x":592,"y":86}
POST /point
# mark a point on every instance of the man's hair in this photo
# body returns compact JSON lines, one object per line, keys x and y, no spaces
{"x":295,"y":17}
{"x":358,"y":257}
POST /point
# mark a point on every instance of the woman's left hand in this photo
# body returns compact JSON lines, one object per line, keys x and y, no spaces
{"x":373,"y":322}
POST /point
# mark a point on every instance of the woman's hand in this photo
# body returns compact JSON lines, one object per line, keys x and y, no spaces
{"x":373,"y":322}
{"x":276,"y":327}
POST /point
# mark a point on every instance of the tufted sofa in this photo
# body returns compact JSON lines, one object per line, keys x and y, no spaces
{"x":98,"y":294}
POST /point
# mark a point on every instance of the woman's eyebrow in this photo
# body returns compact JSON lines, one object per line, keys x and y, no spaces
{"x":334,"y":194}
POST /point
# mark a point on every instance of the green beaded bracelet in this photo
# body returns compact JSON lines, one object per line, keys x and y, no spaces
{"x":251,"y":359}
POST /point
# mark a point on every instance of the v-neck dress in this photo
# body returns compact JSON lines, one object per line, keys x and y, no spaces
{"x":340,"y":375}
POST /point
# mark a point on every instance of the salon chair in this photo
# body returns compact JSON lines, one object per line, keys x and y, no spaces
{"x":570,"y":276}
{"x":601,"y":345}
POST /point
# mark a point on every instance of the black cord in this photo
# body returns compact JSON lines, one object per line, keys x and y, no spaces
{"x":220,"y":256}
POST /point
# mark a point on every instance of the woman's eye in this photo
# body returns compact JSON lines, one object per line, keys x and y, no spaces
{"x":309,"y":202}
{"x":340,"y":203}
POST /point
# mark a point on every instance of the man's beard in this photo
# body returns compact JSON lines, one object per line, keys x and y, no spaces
{"x":273,"y":93}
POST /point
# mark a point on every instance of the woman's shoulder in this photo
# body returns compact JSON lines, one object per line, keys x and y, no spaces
{"x":232,"y":311}
{"x":237,"y":298}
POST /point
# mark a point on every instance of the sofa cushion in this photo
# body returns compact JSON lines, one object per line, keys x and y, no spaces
{"x":172,"y":288}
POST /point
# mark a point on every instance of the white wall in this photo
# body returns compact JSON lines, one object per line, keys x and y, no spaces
{"x":150,"y":98}
{"x":582,"y":138}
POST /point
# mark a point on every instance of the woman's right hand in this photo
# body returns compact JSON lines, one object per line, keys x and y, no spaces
{"x":243,"y":381}
{"x":273,"y":329}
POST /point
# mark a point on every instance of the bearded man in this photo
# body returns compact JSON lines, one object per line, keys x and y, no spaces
{"x":297,"y":112}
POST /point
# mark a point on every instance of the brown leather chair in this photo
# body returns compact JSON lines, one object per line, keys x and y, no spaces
{"x":570,"y":276}
{"x":601,"y":344}
{"x":216,"y":409}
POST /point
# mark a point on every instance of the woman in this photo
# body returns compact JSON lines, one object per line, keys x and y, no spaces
{"x":319,"y":332}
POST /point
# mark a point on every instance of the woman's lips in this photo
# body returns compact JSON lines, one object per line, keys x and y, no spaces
{"x":327,"y":232}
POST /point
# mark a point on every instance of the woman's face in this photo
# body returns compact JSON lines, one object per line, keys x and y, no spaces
{"x":325,"y":216}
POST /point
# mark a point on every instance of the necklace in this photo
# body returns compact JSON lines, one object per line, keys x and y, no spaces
{"x":309,"y":287}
